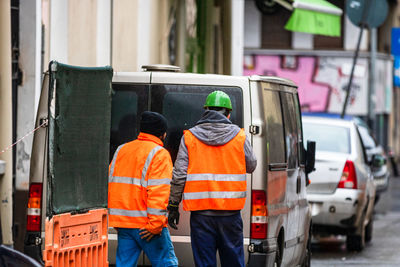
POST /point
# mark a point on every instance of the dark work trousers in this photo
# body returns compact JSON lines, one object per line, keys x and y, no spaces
{"x":212,"y":233}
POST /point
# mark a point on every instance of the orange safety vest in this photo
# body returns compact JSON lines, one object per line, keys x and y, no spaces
{"x":139,"y":184}
{"x":216,"y":175}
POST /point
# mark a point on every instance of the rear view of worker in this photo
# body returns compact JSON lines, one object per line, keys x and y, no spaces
{"x":210,"y":173}
{"x":138,"y":190}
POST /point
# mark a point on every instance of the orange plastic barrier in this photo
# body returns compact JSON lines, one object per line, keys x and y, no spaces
{"x":77,"y":240}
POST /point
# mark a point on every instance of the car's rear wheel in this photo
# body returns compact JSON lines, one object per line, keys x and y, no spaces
{"x":369,"y":230}
{"x":307,"y":259}
{"x":356,"y":242}
{"x":376,"y":199}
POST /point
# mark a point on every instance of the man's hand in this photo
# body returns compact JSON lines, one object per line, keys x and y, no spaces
{"x":173,"y":215}
{"x":145,"y":234}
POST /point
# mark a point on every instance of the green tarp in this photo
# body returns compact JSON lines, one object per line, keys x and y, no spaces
{"x":79,"y":136}
{"x":315,"y":17}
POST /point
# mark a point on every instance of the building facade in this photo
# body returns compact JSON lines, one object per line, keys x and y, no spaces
{"x":321,"y":65}
{"x":230,"y":37}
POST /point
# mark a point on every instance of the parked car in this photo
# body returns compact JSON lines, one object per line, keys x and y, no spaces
{"x":276,"y":216}
{"x":375,"y":153}
{"x":377,"y":158}
{"x":342,"y":192}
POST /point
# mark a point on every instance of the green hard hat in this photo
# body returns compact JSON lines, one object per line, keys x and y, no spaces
{"x":218,"y":99}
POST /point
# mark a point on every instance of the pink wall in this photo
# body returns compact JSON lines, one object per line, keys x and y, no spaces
{"x":314,"y":96}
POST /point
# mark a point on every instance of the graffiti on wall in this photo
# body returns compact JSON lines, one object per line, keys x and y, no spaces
{"x":322,"y":81}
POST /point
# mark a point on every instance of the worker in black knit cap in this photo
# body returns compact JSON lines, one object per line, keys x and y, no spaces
{"x":153,"y":123}
{"x":138,"y":190}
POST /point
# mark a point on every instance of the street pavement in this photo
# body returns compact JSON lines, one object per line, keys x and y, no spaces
{"x":382,"y":251}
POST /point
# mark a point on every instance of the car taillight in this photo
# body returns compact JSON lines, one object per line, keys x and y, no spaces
{"x":349,"y":177}
{"x":259,"y":213}
{"x":34,"y":207}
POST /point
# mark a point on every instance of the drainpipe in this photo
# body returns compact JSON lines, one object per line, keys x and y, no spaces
{"x":5,"y":123}
{"x":181,"y":35}
{"x":237,"y":37}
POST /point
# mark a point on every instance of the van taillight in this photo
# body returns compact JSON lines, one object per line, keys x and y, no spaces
{"x":34,"y":207}
{"x":349,"y":177}
{"x":259,"y":220}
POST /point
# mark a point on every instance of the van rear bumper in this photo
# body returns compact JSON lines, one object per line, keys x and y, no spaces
{"x":262,"y":252}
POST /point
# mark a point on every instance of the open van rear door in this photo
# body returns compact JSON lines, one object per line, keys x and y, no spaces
{"x":78,"y":156}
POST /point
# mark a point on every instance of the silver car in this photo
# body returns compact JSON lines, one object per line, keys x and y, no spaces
{"x":376,"y":156}
{"x":342,"y":191}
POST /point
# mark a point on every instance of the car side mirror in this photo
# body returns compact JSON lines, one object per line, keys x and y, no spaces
{"x":310,"y":157}
{"x":378,"y":161}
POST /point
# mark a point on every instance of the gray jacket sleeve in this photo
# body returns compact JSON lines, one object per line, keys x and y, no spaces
{"x":251,"y":161}
{"x":179,"y":173}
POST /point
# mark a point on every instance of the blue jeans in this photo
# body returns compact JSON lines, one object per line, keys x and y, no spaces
{"x":211,"y":233}
{"x":159,"y":249}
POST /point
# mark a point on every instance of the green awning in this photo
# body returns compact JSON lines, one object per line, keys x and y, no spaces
{"x":315,"y":17}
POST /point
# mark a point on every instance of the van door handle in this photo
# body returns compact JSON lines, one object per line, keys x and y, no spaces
{"x":277,"y":166}
{"x":298,"y":184}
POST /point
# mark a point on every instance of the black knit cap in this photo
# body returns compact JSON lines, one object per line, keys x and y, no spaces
{"x":153,"y":123}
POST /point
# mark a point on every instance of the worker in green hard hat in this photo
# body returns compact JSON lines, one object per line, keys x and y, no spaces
{"x":210,"y":175}
{"x":219,"y":101}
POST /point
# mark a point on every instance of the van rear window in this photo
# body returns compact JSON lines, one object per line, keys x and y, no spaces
{"x":182,"y":105}
{"x":128,"y":102}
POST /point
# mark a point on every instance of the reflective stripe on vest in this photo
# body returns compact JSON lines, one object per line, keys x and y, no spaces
{"x":137,"y":213}
{"x":156,"y":211}
{"x":110,"y":175}
{"x":216,"y":175}
{"x":139,"y":182}
{"x":213,"y":194}
{"x":129,"y":213}
{"x":148,"y":161}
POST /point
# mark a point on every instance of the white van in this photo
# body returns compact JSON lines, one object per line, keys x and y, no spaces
{"x":276,"y":215}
